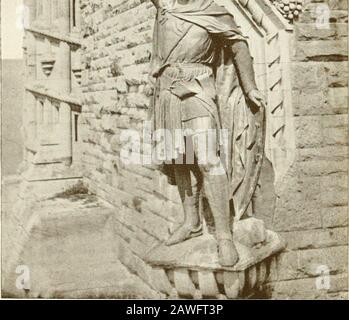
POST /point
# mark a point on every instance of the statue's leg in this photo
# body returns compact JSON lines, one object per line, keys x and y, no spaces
{"x":216,"y":190}
{"x":189,"y":186}
{"x":215,"y":182}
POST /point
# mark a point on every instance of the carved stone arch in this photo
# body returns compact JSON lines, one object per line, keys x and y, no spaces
{"x":269,"y":35}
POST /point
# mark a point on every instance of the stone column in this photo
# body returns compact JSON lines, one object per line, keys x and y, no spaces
{"x":64,"y":86}
{"x":65,"y":19}
{"x":62,"y":68}
{"x":39,"y":115}
{"x":65,"y":118}
{"x":65,"y":125}
{"x":29,"y":50}
{"x":62,"y":81}
{"x":47,"y":110}
{"x":48,"y":123}
{"x":31,"y":5}
{"x":29,"y":106}
{"x":64,"y":54}
{"x":29,"y":123}
{"x":46,"y":22}
{"x":77,"y":14}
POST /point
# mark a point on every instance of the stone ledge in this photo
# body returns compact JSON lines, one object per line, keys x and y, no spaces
{"x":71,"y":251}
{"x":201,"y":254}
{"x":69,"y":39}
{"x":191,"y":269}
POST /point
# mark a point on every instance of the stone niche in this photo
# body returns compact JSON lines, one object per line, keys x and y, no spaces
{"x":191,"y":269}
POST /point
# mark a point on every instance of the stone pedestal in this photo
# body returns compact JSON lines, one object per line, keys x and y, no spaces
{"x":191,"y":269}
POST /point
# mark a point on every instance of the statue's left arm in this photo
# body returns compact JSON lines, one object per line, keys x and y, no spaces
{"x":236,"y":51}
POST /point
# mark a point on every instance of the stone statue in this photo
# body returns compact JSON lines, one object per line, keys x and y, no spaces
{"x":203,"y":79}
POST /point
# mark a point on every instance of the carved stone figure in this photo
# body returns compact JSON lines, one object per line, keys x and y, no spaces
{"x":203,"y":78}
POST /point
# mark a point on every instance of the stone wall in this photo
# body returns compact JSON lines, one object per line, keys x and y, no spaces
{"x":117,"y":46}
{"x":311,"y":209}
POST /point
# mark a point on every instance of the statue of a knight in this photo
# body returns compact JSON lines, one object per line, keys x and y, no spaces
{"x":204,"y":81}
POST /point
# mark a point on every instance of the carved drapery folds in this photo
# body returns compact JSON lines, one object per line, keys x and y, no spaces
{"x":269,"y":40}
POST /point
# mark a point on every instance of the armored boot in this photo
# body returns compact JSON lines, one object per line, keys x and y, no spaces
{"x":191,"y":226}
{"x":189,"y":189}
{"x":216,"y":190}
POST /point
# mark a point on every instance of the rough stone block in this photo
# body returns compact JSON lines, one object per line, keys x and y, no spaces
{"x":320,"y":102}
{"x":330,"y":50}
{"x":308,"y":131}
{"x":311,"y":262}
{"x":307,"y":31}
{"x":307,"y":288}
{"x":334,"y":190}
{"x":318,"y":238}
{"x":335,"y":217}
{"x":250,"y":232}
{"x":298,"y":206}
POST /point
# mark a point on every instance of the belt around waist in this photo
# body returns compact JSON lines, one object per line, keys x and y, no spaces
{"x":188,"y":65}
{"x":180,"y":70}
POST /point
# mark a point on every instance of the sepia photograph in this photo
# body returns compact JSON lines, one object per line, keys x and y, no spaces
{"x":174,"y":150}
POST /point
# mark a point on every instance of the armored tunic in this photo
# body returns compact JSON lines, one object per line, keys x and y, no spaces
{"x":189,"y":39}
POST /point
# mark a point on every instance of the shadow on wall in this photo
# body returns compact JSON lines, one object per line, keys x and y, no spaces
{"x":12,"y":81}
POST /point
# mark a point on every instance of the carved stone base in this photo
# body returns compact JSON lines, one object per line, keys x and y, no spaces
{"x":191,"y":269}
